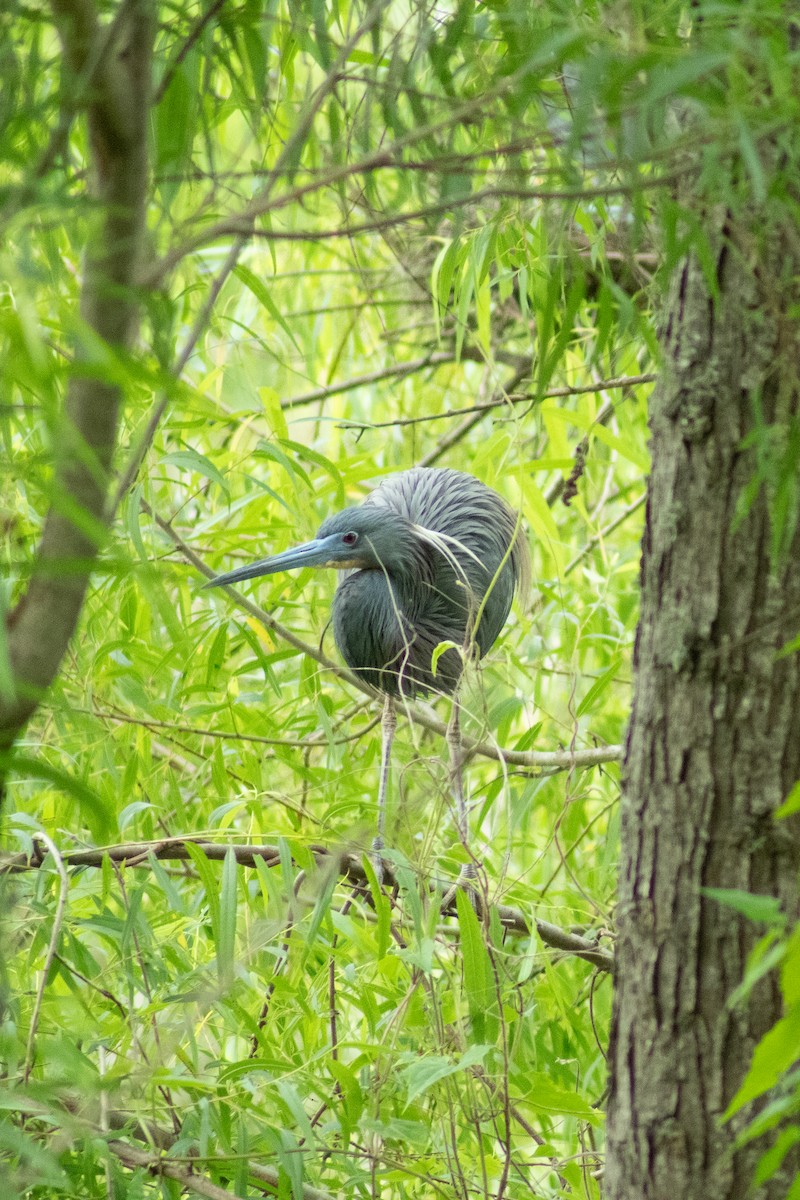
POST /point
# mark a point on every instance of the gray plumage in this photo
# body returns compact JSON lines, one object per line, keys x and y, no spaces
{"x":435,"y":542}
{"x":432,"y":555}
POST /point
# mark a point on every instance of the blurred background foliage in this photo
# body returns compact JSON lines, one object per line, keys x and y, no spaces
{"x":379,"y":235}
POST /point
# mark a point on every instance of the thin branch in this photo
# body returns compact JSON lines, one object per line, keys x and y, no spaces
{"x":446,"y":443}
{"x":350,"y":866}
{"x":397,"y":371}
{"x":159,"y":1165}
{"x":154,"y":1135}
{"x":314,"y":742}
{"x":234,"y":226}
{"x":190,"y":40}
{"x":556,"y":488}
{"x":500,"y":402}
{"x":602,"y":534}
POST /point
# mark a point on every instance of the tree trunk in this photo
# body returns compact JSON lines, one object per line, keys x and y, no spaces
{"x":714,"y":740}
{"x":110,"y":67}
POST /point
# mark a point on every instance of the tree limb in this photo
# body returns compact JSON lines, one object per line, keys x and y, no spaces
{"x":349,"y":864}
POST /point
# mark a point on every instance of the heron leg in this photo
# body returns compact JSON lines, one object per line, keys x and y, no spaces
{"x":456,"y":752}
{"x":388,"y":726}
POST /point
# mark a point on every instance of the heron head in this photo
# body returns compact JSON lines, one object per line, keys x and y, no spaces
{"x":362,"y":537}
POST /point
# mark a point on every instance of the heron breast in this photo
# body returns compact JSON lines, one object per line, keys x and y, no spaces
{"x":383,"y":637}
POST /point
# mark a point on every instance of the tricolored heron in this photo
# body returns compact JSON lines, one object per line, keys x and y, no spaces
{"x":431,"y":556}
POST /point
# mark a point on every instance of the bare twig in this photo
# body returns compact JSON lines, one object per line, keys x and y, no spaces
{"x":602,"y":534}
{"x":496,"y":402}
{"x":397,"y":371}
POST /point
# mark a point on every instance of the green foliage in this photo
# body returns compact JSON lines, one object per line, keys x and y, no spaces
{"x":439,"y":210}
{"x":768,"y":1099}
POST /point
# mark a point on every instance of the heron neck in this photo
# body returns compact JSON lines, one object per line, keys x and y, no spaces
{"x":406,"y":560}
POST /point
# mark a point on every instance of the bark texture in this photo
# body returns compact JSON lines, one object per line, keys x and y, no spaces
{"x":110,"y":66}
{"x":714,"y":740}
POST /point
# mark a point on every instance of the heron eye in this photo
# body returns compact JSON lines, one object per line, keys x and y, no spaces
{"x":350,"y":539}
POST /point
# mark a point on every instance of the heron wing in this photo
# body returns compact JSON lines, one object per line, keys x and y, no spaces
{"x":477,"y":528}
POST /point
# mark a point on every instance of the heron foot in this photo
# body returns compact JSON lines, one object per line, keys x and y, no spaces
{"x":376,"y":857}
{"x":466,"y":880}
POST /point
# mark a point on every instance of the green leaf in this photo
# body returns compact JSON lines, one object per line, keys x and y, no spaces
{"x":479,"y":983}
{"x":600,"y":685}
{"x":791,"y":804}
{"x":94,"y":808}
{"x":191,"y":460}
{"x":226,"y":931}
{"x":542,"y":1093}
{"x":774,"y":1055}
{"x":756,"y":908}
{"x":439,"y":650}
{"x":262,"y":294}
{"x":421,"y":1075}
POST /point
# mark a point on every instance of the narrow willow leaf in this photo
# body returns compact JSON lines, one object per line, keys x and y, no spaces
{"x":478,"y":974}
{"x":226,"y":933}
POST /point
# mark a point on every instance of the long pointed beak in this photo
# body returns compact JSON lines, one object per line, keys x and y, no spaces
{"x":311,"y":554}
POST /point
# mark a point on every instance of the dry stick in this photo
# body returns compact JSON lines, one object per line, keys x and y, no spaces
{"x":163,"y":1139}
{"x":556,"y":488}
{"x":350,"y":865}
{"x":463,"y":428}
{"x":622,"y":381}
{"x":397,"y":370}
{"x":233,"y":226}
{"x":379,"y":225}
{"x":158,"y":1165}
{"x":313,"y":742}
{"x":537,"y":760}
{"x":603,"y":533}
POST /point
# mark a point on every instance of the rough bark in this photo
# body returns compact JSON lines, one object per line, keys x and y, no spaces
{"x":111,"y":68}
{"x":713,"y":745}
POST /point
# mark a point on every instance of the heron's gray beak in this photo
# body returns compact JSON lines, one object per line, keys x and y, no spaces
{"x":318,"y":553}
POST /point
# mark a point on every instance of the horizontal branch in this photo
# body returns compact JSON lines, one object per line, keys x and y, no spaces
{"x":390,"y":156}
{"x":621,"y":381}
{"x":349,"y":865}
{"x":399,"y":371}
{"x":238,"y":227}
